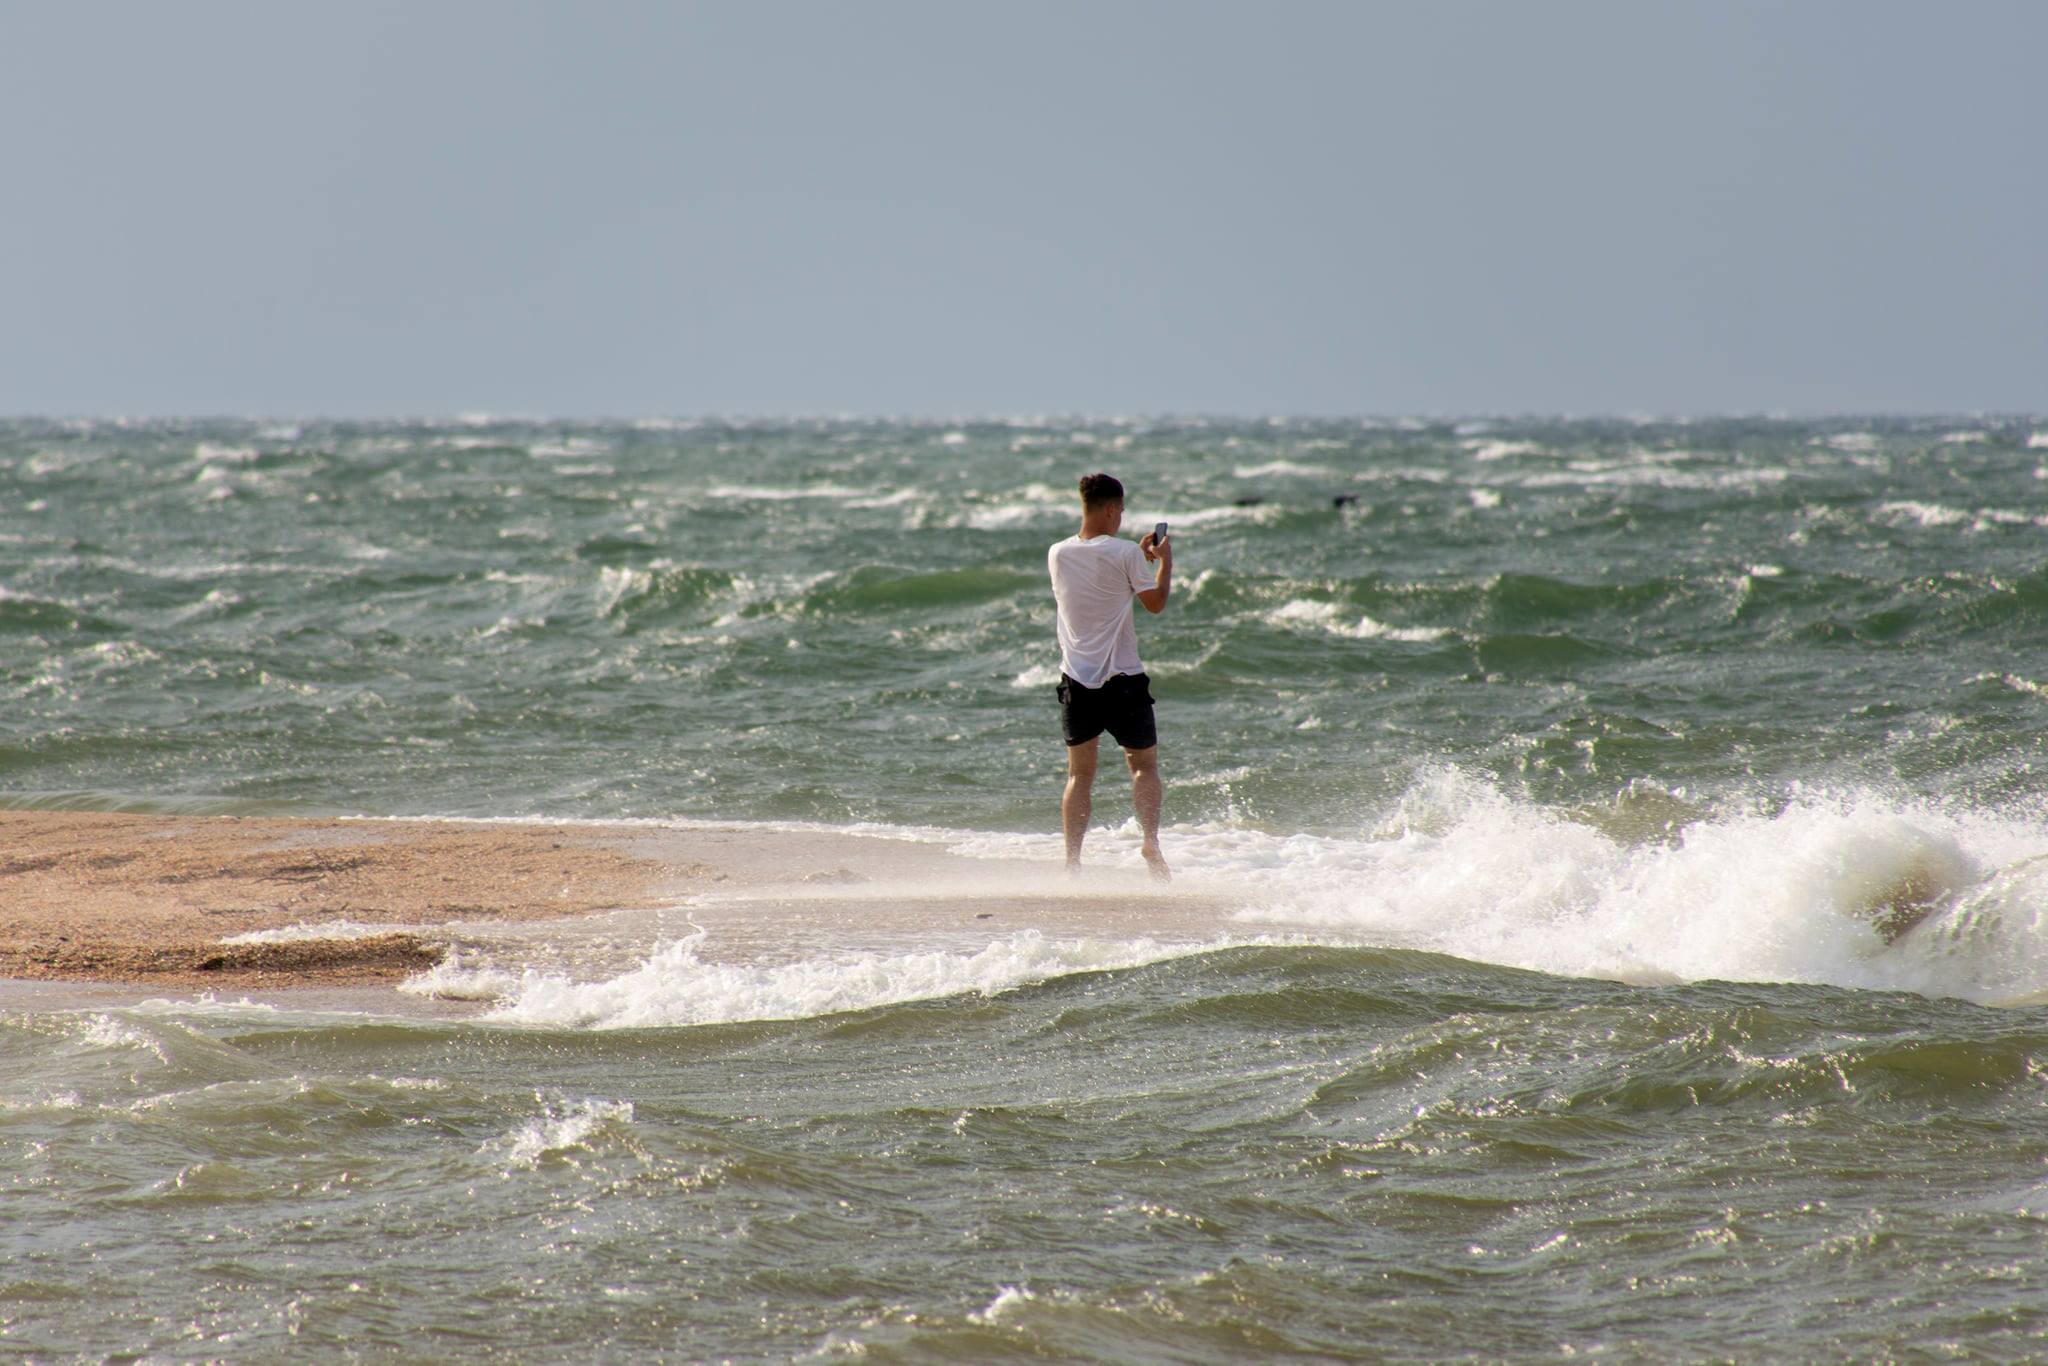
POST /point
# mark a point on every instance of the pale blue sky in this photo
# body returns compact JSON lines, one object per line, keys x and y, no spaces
{"x":632,"y":208}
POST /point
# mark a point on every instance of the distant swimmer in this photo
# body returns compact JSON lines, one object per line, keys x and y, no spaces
{"x":1102,"y":686}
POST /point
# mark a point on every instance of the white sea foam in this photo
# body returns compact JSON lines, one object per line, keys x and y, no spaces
{"x":306,"y":931}
{"x":1988,"y":518}
{"x":219,"y":482}
{"x":896,"y":498}
{"x":507,"y":625}
{"x":1283,"y":469}
{"x":1256,"y":514}
{"x":1648,"y":889}
{"x":763,"y":493}
{"x":569,"y":448}
{"x":111,"y":1033}
{"x":1007,"y":1301}
{"x":1032,"y":505}
{"x":1922,"y":514}
{"x":1777,"y":895}
{"x":1401,"y":474}
{"x":677,"y":986}
{"x":121,"y":654}
{"x":1039,"y":505}
{"x":1010,"y":516}
{"x":1650,"y":473}
{"x":2014,"y":681}
{"x":563,"y":1126}
{"x":43,"y":464}
{"x":1327,"y":616}
{"x":463,"y":977}
{"x":1784,"y":892}
{"x":1932,"y":516}
{"x":1503,"y":450}
{"x":180,"y":571}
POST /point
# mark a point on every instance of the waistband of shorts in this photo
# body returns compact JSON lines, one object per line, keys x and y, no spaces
{"x":1069,"y":678}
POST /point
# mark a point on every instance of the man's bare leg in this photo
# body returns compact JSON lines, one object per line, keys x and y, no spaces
{"x":1078,"y":799}
{"x":1147,"y":795}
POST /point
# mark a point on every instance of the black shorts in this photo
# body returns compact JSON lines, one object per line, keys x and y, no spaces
{"x":1122,"y":706}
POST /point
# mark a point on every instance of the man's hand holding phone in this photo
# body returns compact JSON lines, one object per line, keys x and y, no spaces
{"x":1155,"y":546}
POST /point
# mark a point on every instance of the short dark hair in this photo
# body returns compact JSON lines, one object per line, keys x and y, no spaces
{"x":1098,"y":489}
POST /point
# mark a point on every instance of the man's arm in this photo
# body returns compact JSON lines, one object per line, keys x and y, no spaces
{"x":1161,"y":556}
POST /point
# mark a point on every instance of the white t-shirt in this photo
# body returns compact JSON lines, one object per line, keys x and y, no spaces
{"x":1093,"y":583}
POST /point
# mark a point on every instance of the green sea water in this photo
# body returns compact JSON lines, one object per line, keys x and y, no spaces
{"x":848,"y":621}
{"x":1574,"y":761}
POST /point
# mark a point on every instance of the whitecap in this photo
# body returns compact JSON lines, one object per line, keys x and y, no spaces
{"x":1929,"y":515}
{"x":1009,"y":516}
{"x":1489,"y":450}
{"x":1326,"y":616}
{"x":1008,"y":1300}
{"x":1654,"y":474}
{"x":1654,"y":887}
{"x":896,"y":498}
{"x":1256,"y":514}
{"x":770,"y":493}
{"x":1283,"y":469}
{"x":562,"y":1127}
{"x":569,"y":448}
{"x":1796,"y":894}
{"x":677,"y":986}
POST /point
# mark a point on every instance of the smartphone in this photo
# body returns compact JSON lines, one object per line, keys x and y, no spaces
{"x":1158,"y":534}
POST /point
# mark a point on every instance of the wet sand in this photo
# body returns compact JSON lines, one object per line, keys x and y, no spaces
{"x":149,"y":900}
{"x":122,"y":898}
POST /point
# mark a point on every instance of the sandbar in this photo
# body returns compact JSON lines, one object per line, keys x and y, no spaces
{"x":155,"y":901}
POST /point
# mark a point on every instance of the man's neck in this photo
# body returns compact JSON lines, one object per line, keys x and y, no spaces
{"x":1093,"y":527}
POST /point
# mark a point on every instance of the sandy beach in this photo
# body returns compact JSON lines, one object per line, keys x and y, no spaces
{"x":155,"y":901}
{"x":125,"y":898}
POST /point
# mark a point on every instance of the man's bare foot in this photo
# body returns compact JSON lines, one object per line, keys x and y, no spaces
{"x":1073,"y":868}
{"x":1156,"y":861}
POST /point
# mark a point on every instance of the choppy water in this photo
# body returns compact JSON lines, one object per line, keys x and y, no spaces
{"x":1571,"y":760}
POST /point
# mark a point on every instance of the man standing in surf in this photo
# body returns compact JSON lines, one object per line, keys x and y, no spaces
{"x":1103,"y":687}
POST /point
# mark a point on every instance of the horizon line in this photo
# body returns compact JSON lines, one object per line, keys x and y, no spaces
{"x":485,"y":417}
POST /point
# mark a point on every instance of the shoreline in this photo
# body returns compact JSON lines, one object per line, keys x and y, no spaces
{"x":153,"y":901}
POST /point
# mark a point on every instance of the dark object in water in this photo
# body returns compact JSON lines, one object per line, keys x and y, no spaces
{"x":1246,"y":502}
{"x":1343,"y":500}
{"x":1916,"y":894}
